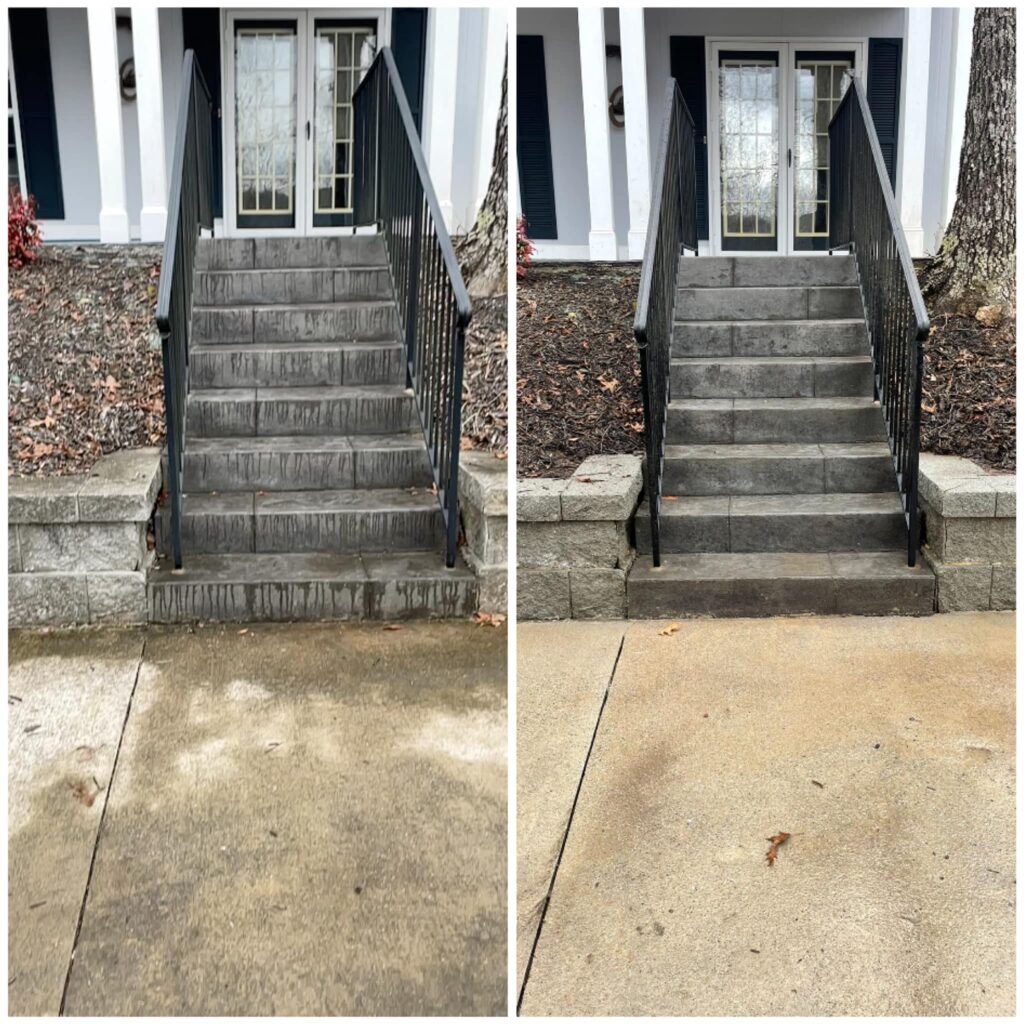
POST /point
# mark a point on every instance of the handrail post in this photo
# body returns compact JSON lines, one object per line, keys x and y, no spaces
{"x":412,"y":298}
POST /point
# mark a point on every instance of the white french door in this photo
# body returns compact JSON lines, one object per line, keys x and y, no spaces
{"x":769,"y":108}
{"x":289,"y":77}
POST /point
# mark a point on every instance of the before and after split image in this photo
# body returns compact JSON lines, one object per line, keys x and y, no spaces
{"x":511,"y":511}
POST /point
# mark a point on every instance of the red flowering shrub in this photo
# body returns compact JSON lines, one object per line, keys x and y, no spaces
{"x":524,"y":248}
{"x":23,"y":236}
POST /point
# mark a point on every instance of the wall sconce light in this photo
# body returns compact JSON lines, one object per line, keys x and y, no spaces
{"x":616,"y":108}
{"x":126,"y":79}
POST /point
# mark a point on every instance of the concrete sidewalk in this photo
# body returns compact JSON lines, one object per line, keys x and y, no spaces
{"x":885,"y":746}
{"x":304,"y":819}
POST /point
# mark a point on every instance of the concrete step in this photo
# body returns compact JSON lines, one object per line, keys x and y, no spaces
{"x":297,"y":364}
{"x":752,"y":338}
{"x":774,"y":420}
{"x":289,"y":522}
{"x":779,"y":583}
{"x":274,"y":411}
{"x":336,"y":321}
{"x":811,"y":303}
{"x":301,"y":253}
{"x":771,"y":376}
{"x":288,"y":286}
{"x":303,"y":587}
{"x":786,"y":522}
{"x":297,"y":463}
{"x":762,"y":271}
{"x":777,"y":469}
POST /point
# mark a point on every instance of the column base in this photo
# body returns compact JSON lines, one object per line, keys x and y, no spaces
{"x":637,"y":244}
{"x":153,"y":224}
{"x":603,"y":246}
{"x":114,"y":226}
{"x":915,"y":241}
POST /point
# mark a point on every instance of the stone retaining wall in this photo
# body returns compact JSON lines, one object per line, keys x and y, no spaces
{"x":575,"y":540}
{"x":483,"y":500}
{"x":77,"y":551}
{"x":969,"y":533}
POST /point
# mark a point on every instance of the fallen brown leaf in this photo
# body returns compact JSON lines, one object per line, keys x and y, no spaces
{"x":391,"y":627}
{"x":773,"y":851}
{"x":669,"y":630}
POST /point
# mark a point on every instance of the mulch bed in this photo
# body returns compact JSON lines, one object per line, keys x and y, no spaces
{"x":969,"y":391}
{"x":84,"y":368}
{"x":578,"y":386}
{"x":485,"y":377}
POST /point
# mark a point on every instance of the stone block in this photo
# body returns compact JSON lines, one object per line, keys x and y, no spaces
{"x":977,"y":540}
{"x":1004,"y":587}
{"x":40,"y":499}
{"x":598,"y":593}
{"x":117,"y":597}
{"x":540,"y":499}
{"x":483,"y":482}
{"x":564,"y":544}
{"x":492,"y":586}
{"x":13,"y":551}
{"x":81,"y":547}
{"x":1006,"y":495}
{"x":543,"y":594}
{"x":46,"y":599}
{"x":122,"y":487}
{"x":604,"y":487}
{"x":963,"y":587}
{"x":486,"y":536}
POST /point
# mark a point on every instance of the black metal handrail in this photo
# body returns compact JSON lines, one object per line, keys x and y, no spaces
{"x":671,"y":229}
{"x":863,"y":219}
{"x":189,"y":208}
{"x":393,"y":190}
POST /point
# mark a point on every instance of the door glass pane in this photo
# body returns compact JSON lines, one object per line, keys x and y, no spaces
{"x":265,"y":124}
{"x":749,"y":157}
{"x":343,"y":51}
{"x":820,"y":85}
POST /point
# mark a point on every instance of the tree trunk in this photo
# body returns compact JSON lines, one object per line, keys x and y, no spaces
{"x":976,"y":264}
{"x":483,"y":253}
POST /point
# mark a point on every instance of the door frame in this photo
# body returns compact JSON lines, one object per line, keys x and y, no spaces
{"x":303,"y":18}
{"x":785,"y":48}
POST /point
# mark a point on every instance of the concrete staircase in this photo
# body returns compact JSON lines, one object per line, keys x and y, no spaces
{"x":779,"y":493}
{"x":308,"y":491}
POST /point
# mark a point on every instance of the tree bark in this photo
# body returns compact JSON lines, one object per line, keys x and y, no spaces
{"x":483,"y":253}
{"x":976,"y":264}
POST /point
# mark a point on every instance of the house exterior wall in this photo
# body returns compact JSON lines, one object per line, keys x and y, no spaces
{"x":931,"y":108}
{"x":75,"y":117}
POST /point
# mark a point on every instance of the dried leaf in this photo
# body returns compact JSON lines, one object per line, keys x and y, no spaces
{"x":773,"y":851}
{"x":488,"y":619}
{"x":391,"y":627}
{"x":669,"y":630}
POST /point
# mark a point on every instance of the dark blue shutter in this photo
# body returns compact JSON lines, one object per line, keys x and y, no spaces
{"x":536,"y":180}
{"x":885,"y":62}
{"x":200,"y":27}
{"x":30,"y":48}
{"x":409,"y":47}
{"x":686,"y":65}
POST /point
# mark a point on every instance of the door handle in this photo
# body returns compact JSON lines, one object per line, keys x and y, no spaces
{"x":789,"y":158}
{"x":307,"y":131}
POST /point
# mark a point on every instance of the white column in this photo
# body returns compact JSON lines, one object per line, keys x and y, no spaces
{"x":150,"y":104}
{"x":595,"y":126}
{"x":960,"y":70}
{"x":914,"y":125}
{"x":495,"y":32}
{"x":106,"y":101}
{"x":439,"y":116}
{"x":634,"y":98}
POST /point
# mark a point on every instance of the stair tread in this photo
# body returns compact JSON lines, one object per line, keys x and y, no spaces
{"x":314,"y":345}
{"x":303,"y":443}
{"x":767,"y":360}
{"x":805,"y":403}
{"x":803,"y":322}
{"x":754,"y":451}
{"x":291,"y":270}
{"x":301,"y":392}
{"x":778,"y":565}
{"x":364,"y":499}
{"x":300,"y":568}
{"x":879,"y":502}
{"x":762,"y":287}
{"x":280,"y":307}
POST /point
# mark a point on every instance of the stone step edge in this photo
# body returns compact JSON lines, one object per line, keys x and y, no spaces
{"x":766,"y":566}
{"x":681,"y":506}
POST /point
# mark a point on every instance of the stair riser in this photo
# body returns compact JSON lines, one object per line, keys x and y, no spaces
{"x":739,"y":533}
{"x":812,"y":475}
{"x":240,"y":326}
{"x":311,"y":602}
{"x":794,"y":596}
{"x":771,"y":426}
{"x":810,"y":338}
{"x":765,"y":271}
{"x":280,"y":253}
{"x":289,"y":533}
{"x":771,"y":380}
{"x":306,"y":471}
{"x":369,"y":364}
{"x":767,"y":303}
{"x":266,"y":287}
{"x":240,"y":417}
